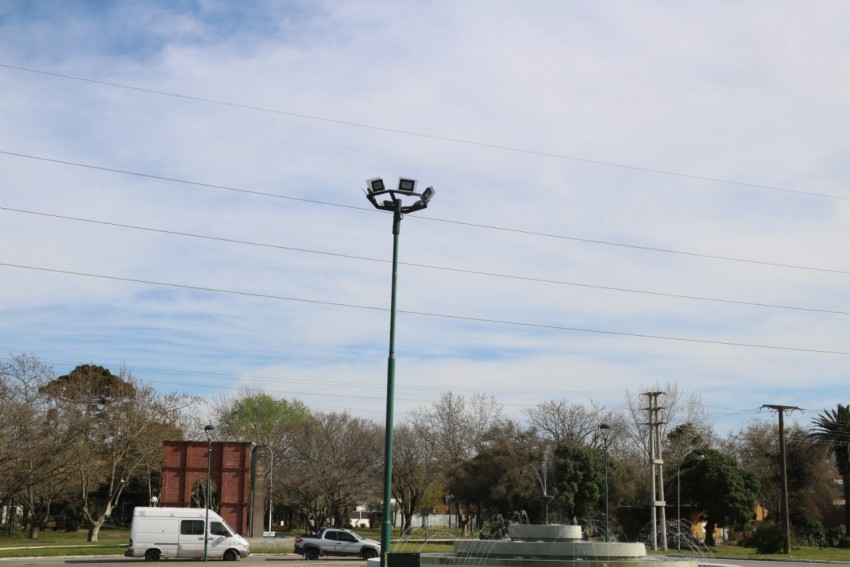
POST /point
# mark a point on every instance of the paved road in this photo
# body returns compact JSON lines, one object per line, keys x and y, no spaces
{"x":292,"y":560}
{"x":269,"y":560}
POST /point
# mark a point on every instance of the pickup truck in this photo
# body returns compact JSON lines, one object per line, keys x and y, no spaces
{"x":336,"y":541}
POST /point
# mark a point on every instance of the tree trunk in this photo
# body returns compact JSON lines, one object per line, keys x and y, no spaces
{"x":846,"y":487}
{"x":94,"y":529}
{"x":709,"y":532}
{"x":463,"y":521}
{"x":406,"y":522}
{"x":34,"y":531}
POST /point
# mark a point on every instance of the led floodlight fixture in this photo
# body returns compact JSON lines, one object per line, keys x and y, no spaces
{"x":375,"y":185}
{"x":407,"y":186}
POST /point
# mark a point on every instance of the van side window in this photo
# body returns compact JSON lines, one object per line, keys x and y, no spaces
{"x":192,"y":527}
{"x":217,"y":528}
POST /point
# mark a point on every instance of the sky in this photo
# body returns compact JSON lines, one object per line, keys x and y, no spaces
{"x":629,"y":194}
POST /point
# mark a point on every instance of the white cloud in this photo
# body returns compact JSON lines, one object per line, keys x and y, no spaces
{"x":438,"y":91}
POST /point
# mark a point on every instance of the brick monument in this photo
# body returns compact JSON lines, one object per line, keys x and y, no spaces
{"x":184,"y":469}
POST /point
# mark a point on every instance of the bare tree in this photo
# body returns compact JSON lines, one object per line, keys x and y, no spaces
{"x":414,"y":469}
{"x":124,"y":424}
{"x":35,"y":452}
{"x":675,"y":409}
{"x":335,"y":464}
{"x":572,"y":424}
{"x":458,"y":430}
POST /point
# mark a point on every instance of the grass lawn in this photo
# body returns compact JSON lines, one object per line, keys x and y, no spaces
{"x":111,"y":541}
{"x":800,"y":553}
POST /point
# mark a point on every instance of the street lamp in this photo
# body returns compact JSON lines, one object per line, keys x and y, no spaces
{"x":377,"y":194}
{"x":271,"y":485}
{"x":208,"y":432}
{"x":605,"y":430}
{"x":679,"y":500}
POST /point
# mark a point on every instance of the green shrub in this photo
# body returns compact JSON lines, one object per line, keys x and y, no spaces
{"x":835,"y":535}
{"x":810,"y":532}
{"x":767,"y":537}
{"x":71,"y":519}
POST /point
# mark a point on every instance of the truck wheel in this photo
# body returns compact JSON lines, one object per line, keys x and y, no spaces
{"x":311,"y":554}
{"x":369,"y":553}
{"x":152,"y":555}
{"x":230,"y":555}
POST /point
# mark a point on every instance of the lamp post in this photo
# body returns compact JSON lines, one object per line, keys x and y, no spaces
{"x":605,"y":430}
{"x":679,"y":500}
{"x":271,"y":485}
{"x":208,"y":432}
{"x":376,"y":189}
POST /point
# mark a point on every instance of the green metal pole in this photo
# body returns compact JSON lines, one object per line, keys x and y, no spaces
{"x":386,"y":526}
{"x":606,"y":490}
{"x":207,"y":519}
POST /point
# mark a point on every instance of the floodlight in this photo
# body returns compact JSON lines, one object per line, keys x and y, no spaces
{"x":427,"y":194}
{"x":407,"y":186}
{"x":375,"y":185}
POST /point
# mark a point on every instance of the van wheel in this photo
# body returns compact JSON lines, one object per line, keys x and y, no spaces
{"x":312,"y":554}
{"x":230,"y":555}
{"x":369,"y":553}
{"x":152,"y":555}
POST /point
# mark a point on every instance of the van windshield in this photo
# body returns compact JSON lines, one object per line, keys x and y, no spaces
{"x":220,"y":529}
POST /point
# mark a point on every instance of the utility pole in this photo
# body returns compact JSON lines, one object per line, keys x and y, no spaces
{"x":656,"y":463}
{"x":786,"y":517}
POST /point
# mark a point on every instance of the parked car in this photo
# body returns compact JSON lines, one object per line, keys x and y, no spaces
{"x":336,"y":541}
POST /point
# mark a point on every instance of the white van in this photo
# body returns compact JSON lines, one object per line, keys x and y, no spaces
{"x":167,"y":533}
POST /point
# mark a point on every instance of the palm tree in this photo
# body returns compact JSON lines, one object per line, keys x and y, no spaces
{"x":832,"y":428}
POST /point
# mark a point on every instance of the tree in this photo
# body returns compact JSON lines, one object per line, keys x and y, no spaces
{"x":414,"y":469}
{"x":35,"y":447}
{"x":501,"y":479}
{"x":724,"y":492}
{"x":458,"y":430}
{"x":808,"y":468}
{"x":335,"y":464}
{"x":255,"y":416}
{"x":579,"y":479}
{"x":832,"y":429}
{"x":574,"y":424}
{"x":678,"y":411}
{"x":123,"y":425}
{"x":258,"y":417}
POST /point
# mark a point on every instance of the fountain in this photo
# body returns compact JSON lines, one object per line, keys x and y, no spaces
{"x":547,"y":546}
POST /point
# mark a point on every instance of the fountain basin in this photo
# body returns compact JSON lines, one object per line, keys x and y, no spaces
{"x":546,"y":546}
{"x":550,"y":549}
{"x":533,"y":532}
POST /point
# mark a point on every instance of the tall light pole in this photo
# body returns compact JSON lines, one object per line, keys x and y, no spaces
{"x":208,"y":432}
{"x":271,"y":485}
{"x":376,"y":189}
{"x":605,"y":430}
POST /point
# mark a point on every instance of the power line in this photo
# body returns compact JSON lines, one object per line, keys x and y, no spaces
{"x":645,"y":248}
{"x":424,"y":266}
{"x":426,"y":218}
{"x":435,"y":315}
{"x":363,"y":125}
{"x":182,"y":181}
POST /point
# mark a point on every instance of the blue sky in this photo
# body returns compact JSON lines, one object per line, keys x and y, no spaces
{"x":629,"y":194}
